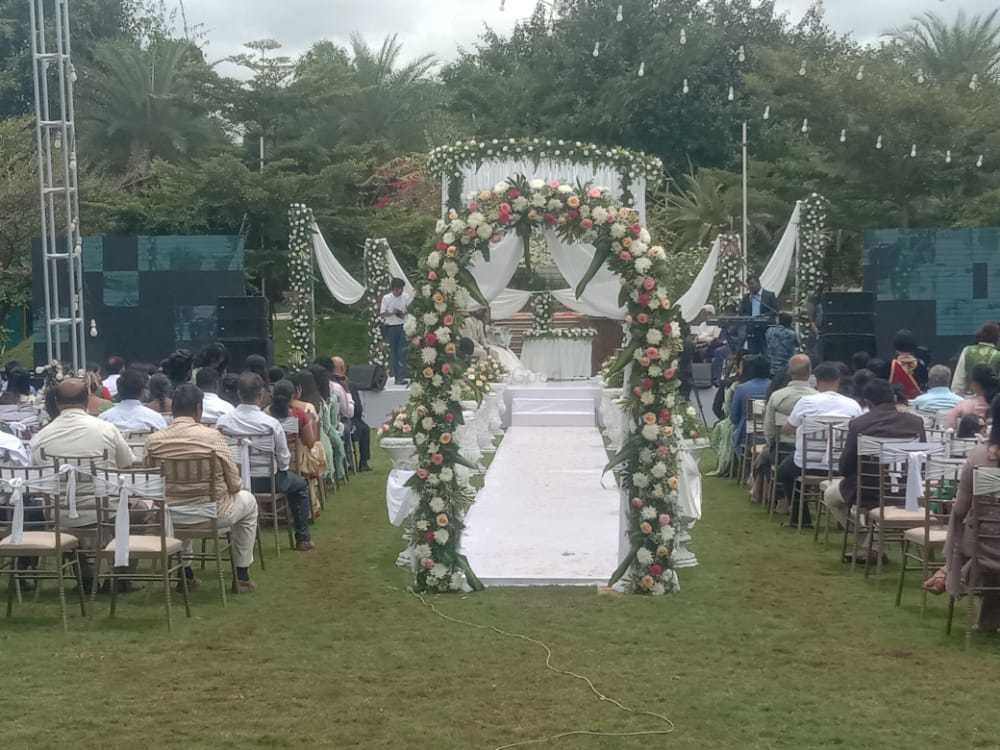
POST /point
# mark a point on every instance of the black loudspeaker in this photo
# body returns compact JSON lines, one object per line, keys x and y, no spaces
{"x":848,"y":303}
{"x":848,"y":323}
{"x":241,"y":317}
{"x":840,"y":347}
{"x":240,"y":348}
{"x":367,"y":377}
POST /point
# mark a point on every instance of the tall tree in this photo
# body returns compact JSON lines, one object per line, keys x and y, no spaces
{"x":953,"y":52}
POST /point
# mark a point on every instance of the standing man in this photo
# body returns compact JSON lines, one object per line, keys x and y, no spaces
{"x":782,"y":343}
{"x":757,"y":303}
{"x":393,"y":312}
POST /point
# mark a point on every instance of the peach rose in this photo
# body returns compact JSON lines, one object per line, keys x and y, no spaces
{"x":445,"y":438}
{"x":441,"y":520}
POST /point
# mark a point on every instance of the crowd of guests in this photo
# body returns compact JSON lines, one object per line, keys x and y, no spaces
{"x":882,"y":399}
{"x":184,"y":409}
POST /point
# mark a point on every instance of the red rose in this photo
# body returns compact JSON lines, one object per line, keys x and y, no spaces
{"x":449,"y":417}
{"x":644,"y":298}
{"x":446,"y":369}
{"x":432,"y":276}
{"x":645,"y":384}
{"x":625,"y":256}
{"x":429,"y":537}
{"x":431,"y":339}
{"x":442,"y":246}
{"x":635,"y":229}
{"x":513,"y":193}
{"x":656,"y":570}
{"x":550,"y":219}
{"x":643,"y":318}
{"x":667,"y":329}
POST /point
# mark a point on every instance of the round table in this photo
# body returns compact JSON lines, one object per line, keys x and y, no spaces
{"x":558,"y":358}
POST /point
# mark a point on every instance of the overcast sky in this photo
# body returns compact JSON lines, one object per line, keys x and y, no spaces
{"x":441,"y":26}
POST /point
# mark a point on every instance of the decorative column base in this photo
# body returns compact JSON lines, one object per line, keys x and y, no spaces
{"x":682,"y":556}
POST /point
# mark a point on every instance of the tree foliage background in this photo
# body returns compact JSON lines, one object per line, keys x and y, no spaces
{"x":169,"y":145}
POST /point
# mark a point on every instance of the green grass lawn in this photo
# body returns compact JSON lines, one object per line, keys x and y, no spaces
{"x":769,"y":645}
{"x":338,"y":334}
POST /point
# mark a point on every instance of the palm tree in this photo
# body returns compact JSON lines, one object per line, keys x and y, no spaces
{"x":141,"y":105}
{"x":955,"y":52}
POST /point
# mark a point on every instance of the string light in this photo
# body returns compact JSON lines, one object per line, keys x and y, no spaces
{"x":619,"y":17}
{"x":742,"y":54}
{"x":878,"y":143}
{"x":642,"y":69}
{"x":802,"y":68}
{"x":979,"y":161}
{"x":686,"y":89}
{"x":913,"y":151}
{"x":974,"y":83}
{"x":947,"y":156}
{"x":805,"y":125}
{"x":920,"y":76}
{"x":732,"y":94}
{"x":684,"y":36}
{"x":597,"y":49}
{"x":861,"y":73}
{"x":843,"y":136}
{"x":767,"y":112}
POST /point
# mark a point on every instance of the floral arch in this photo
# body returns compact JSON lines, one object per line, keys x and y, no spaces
{"x":445,"y":287}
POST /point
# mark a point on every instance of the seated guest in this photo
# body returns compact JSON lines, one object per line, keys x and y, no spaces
{"x":159,"y":389}
{"x":215,"y":356}
{"x":964,"y":528}
{"x":129,"y":415}
{"x":274,"y":374}
{"x":904,"y":370}
{"x":233,"y":507}
{"x":112,"y":370}
{"x":311,"y":457}
{"x":859,"y":361}
{"x":984,"y":351}
{"x":256,"y":364}
{"x":212,"y":405}
{"x":757,"y":370}
{"x":969,"y":426}
{"x":782,"y":343}
{"x":229,"y":389}
{"x":860,"y":379}
{"x":883,"y":420}
{"x":792,"y":386}
{"x":328,"y":399}
{"x":826,"y":402}
{"x":362,"y":432}
{"x":879,"y":368}
{"x":248,"y":419}
{"x":846,"y":381}
{"x":96,"y":405}
{"x":984,"y":386}
{"x":178,"y":367}
{"x":939,"y":395}
{"x":12,"y":450}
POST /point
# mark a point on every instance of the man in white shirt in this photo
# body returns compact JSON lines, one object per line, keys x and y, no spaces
{"x":393,"y":312}
{"x":214,"y":407}
{"x":129,"y":415}
{"x":248,"y":419}
{"x":113,"y":369}
{"x":826,"y":402}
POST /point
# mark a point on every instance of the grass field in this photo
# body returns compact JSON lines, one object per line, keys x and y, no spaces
{"x":769,"y":645}
{"x":337,"y":334}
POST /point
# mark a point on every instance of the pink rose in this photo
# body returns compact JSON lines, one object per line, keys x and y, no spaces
{"x":645,"y":384}
{"x":635,"y":229}
{"x":587,"y":223}
{"x":625,"y":256}
{"x":637,"y":502}
{"x":432,"y":276}
{"x":553,"y":184}
{"x":429,"y":537}
{"x":669,"y":374}
{"x":513,"y":193}
{"x":505,"y":208}
{"x":594,"y":192}
{"x":470,"y":232}
{"x":407,"y":428}
{"x":442,"y":246}
{"x":550,"y":219}
{"x":652,"y":353}
{"x":643,"y":318}
{"x":473,"y":206}
{"x":446,"y":369}
{"x":449,"y":320}
{"x":437,"y":459}
{"x":572,"y":214}
{"x":427,"y":563}
{"x":431,"y":339}
{"x":667,"y":328}
{"x":662,"y":452}
{"x":655,"y":570}
{"x":423,"y":473}
{"x":649,"y":283}
{"x":449,"y":417}
{"x":637,"y":391}
{"x":644,"y":298}
{"x":664,"y":519}
{"x":664,"y":415}
{"x":415,"y":341}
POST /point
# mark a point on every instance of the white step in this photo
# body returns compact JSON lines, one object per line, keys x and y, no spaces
{"x":553,"y":419}
{"x":553,"y":412}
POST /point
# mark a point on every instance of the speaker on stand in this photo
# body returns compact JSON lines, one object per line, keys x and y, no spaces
{"x":847,"y":326}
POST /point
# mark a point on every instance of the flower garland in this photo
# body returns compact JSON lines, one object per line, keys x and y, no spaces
{"x":300,"y":272}
{"x":647,"y":464}
{"x":814,"y":239}
{"x":542,"y":308}
{"x":729,"y":277}
{"x":377,"y":281}
{"x":571,"y":334}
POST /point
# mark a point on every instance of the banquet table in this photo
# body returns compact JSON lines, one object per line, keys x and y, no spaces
{"x":559,"y":359}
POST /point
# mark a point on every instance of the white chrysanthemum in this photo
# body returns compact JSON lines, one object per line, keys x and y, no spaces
{"x":654,"y":336}
{"x":555,"y":204}
{"x":427,"y":423}
{"x":675,"y":332}
{"x":438,"y":406}
{"x":678,"y":420}
{"x":585,"y":211}
{"x":457,"y":226}
{"x":440,"y":570}
{"x":434,"y":259}
{"x":476,"y":218}
{"x":426,"y":290}
{"x":447,"y":474}
{"x":644,"y":236}
{"x":449,"y":285}
{"x":428,"y":354}
{"x":647,"y":398}
{"x":520,"y":203}
{"x":437,"y":504}
{"x":429,"y":318}
{"x":434,"y":480}
{"x":642,"y":265}
{"x":665,"y":355}
{"x":437,"y":380}
{"x":420,"y":438}
{"x":422,"y":551}
{"x":443,"y":334}
{"x":644,"y":556}
{"x":457,"y":582}
{"x":654,"y":304}
{"x":658,"y":491}
{"x":638,"y":248}
{"x":501,"y":187}
{"x":690,"y":411}
{"x":599,"y":215}
{"x":640,"y":480}
{"x":441,"y":536}
{"x":485,"y":231}
{"x":617,"y":231}
{"x":650,"y":431}
{"x":433,"y":447}
{"x":538,"y":200}
{"x":659,"y":470}
{"x":645,"y":456}
{"x":648,"y":513}
{"x":462,"y":298}
{"x":410,"y":325}
{"x":450,"y":267}
{"x":448,"y":238}
{"x":654,"y":371}
{"x":671,"y":401}
{"x":667,"y":533}
{"x":416,"y":390}
{"x":456,"y":392}
{"x":536,"y":184}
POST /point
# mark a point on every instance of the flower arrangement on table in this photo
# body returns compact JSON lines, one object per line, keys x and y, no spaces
{"x":542,"y":309}
{"x":566,"y":334}
{"x":647,"y":463}
{"x":487,"y":370}
{"x":398,"y":425}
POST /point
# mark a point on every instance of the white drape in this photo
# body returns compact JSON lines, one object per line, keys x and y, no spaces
{"x":341,"y":284}
{"x":508,"y":303}
{"x":695,"y":298}
{"x":600,"y":298}
{"x":396,"y":271}
{"x":490,"y":173}
{"x":775,"y":275}
{"x":494,"y":275}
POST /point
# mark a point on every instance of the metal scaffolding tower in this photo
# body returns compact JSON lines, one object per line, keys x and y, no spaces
{"x":55,"y":130}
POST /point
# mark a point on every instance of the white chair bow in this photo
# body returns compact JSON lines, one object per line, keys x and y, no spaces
{"x":244,"y":446}
{"x":69,"y":471}
{"x":16,"y":485}
{"x":986,"y":481}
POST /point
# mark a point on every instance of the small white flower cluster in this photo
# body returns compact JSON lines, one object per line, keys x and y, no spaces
{"x":377,"y":279}
{"x":300,"y":221}
{"x":815,"y":239}
{"x":561,"y":333}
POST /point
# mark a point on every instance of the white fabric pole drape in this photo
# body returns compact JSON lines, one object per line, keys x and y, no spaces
{"x":775,"y":275}
{"x":494,"y":275}
{"x":600,"y":298}
{"x":695,"y":298}
{"x":396,"y":271}
{"x":341,"y":284}
{"x":508,"y":303}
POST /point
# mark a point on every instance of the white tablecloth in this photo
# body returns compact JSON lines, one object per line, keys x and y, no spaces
{"x":559,"y":359}
{"x":380,"y":404}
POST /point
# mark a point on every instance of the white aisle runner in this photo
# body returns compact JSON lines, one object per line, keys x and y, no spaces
{"x":542,"y":517}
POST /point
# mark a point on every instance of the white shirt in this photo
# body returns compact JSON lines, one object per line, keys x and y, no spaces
{"x":393,"y":309}
{"x":828,"y":404}
{"x":213,"y":407}
{"x":13,"y":451}
{"x":131,"y":416}
{"x":247,"y":419}
{"x":74,"y":433}
{"x":111,"y":383}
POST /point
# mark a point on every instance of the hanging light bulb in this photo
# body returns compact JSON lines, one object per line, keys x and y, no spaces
{"x":767,"y":112}
{"x":947,"y":156}
{"x":805,"y":125}
{"x":684,"y":36}
{"x":920,"y":76}
{"x":878,"y":143}
{"x":58,"y":141}
{"x":802,"y":68}
{"x":979,"y":161}
{"x":686,"y":87}
{"x":861,"y":73}
{"x":732,"y":94}
{"x":742,"y":54}
{"x":619,"y":17}
{"x":93,"y":328}
{"x":843,"y":136}
{"x":974,"y":83}
{"x":597,"y":49}
{"x":913,"y":151}
{"x":642,"y":69}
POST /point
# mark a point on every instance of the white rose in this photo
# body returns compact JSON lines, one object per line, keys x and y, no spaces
{"x":667,"y":533}
{"x":447,"y":474}
{"x":654,"y":304}
{"x":416,"y":390}
{"x":457,"y":226}
{"x":585,"y":211}
{"x":456,"y":392}
{"x":501,"y":187}
{"x":410,"y":325}
{"x":655,"y":371}
{"x":659,"y":470}
{"x":648,"y":513}
{"x":658,"y":253}
{"x":441,"y":536}
{"x":434,"y":259}
{"x":658,"y":491}
{"x":428,"y":354}
{"x":675,"y":332}
{"x":425,"y":290}
{"x":436,"y":381}
{"x":440,"y":570}
{"x":437,"y":504}
{"x":647,"y":398}
{"x":653,"y":336}
{"x":644,"y":556}
{"x":678,"y":420}
{"x":599,"y":215}
{"x":422,"y":551}
{"x":640,"y":480}
{"x":658,"y":589}
{"x":638,"y":248}
{"x":449,"y":285}
{"x":476,"y":218}
{"x":520,"y":203}
{"x":429,"y":319}
{"x":427,"y":423}
{"x":644,"y":236}
{"x":690,"y":411}
{"x":617,"y":231}
{"x":450,"y":267}
{"x":420,"y":438}
{"x":536,"y":184}
{"x":485,"y":231}
{"x":443,"y":334}
{"x":642,"y":265}
{"x":555,"y":205}
{"x":449,"y":238}
{"x":649,"y":432}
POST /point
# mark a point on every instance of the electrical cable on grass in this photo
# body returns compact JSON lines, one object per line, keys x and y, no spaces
{"x":564,"y":672}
